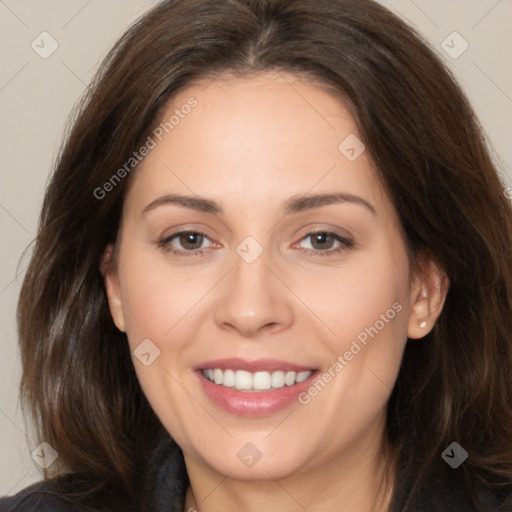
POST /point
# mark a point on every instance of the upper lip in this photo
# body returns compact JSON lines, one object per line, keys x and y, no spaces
{"x":257,"y":365}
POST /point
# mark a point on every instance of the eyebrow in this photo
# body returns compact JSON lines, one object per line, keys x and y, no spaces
{"x":193,"y":202}
{"x":294,"y":204}
{"x":300,"y":203}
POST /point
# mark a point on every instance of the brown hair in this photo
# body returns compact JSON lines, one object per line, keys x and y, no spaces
{"x":454,"y":385}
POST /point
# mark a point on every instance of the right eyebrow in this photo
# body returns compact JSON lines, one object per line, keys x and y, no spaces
{"x":193,"y":202}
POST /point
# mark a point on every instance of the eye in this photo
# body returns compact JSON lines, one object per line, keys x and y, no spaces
{"x":185,"y":243}
{"x":191,"y":243}
{"x":325,"y":242}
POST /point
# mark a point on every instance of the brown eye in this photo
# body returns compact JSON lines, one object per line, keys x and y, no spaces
{"x":185,"y":243}
{"x":190,"y":240}
{"x":322,"y":241}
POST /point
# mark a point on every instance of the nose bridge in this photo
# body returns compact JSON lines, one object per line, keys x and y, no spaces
{"x":253,"y":297}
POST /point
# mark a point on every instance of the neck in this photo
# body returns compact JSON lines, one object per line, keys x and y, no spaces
{"x":349,"y":482}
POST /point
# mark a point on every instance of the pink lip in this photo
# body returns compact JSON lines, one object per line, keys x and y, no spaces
{"x":261,"y":403}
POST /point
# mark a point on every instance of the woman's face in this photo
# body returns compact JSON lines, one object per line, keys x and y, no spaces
{"x":290,"y":286}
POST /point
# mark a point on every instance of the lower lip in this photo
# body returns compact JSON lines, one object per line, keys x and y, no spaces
{"x":259,"y":403}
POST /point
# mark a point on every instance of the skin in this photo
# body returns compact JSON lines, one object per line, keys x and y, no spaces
{"x":249,"y":145}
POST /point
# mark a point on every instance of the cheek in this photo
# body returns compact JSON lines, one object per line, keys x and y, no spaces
{"x":372,"y":294}
{"x":155,"y":297}
{"x":158,"y":306}
{"x":365,"y":307}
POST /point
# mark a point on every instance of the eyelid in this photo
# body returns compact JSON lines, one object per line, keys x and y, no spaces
{"x":332,"y":230}
{"x":175,"y":234}
{"x":345,"y":243}
{"x":177,"y":229}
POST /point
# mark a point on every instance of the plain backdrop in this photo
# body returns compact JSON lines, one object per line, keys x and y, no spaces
{"x":37,"y":94}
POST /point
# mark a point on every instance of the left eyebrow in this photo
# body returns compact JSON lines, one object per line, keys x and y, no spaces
{"x":301,"y":203}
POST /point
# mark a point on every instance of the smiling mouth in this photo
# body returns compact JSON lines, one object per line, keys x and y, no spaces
{"x":241,"y":380}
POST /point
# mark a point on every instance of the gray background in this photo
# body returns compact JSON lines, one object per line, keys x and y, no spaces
{"x":36,"y":96}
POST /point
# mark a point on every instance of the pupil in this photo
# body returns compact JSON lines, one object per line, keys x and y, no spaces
{"x":323,"y":239}
{"x":191,"y":240}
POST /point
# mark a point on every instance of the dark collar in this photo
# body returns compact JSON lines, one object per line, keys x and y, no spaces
{"x":167,"y":483}
{"x":166,"y":479}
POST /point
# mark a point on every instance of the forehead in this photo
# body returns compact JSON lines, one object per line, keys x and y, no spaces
{"x":266,"y":135}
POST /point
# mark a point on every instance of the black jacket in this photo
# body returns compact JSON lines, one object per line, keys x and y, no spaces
{"x":166,"y":482}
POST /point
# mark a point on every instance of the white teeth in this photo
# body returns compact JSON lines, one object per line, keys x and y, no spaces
{"x":302,"y":376}
{"x":218,"y":376}
{"x":229,"y":379}
{"x":290,"y":378}
{"x":243,"y":380}
{"x":258,"y":381}
{"x":278,"y":379}
{"x":261,"y":380}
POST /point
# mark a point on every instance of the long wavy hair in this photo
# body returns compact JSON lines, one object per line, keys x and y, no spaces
{"x":429,"y":151}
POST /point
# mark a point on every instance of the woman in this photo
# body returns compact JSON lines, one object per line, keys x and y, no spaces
{"x":273,"y":272}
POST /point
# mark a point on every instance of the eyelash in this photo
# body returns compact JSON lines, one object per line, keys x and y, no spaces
{"x":165,"y":243}
{"x":344,"y":244}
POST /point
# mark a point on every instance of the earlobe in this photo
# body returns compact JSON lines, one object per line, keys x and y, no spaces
{"x":112,"y":288}
{"x":428,"y":295}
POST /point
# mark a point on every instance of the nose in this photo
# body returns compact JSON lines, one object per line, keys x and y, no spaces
{"x":253,"y":300}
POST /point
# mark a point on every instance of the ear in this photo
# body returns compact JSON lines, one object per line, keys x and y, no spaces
{"x":429,"y":288}
{"x":108,"y":270}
